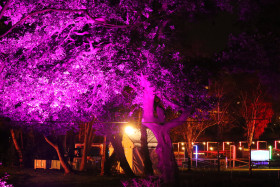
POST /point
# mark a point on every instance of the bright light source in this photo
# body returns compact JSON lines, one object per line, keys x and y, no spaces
{"x":204,"y":143}
{"x":270,"y":152}
{"x":240,"y":148}
{"x":211,"y":148}
{"x":129,"y":130}
{"x":228,"y":143}
{"x":182,"y":143}
{"x":192,"y":143}
{"x":253,"y":142}
{"x":196,"y":151}
{"x":183,"y":148}
{"x":260,"y":155}
{"x":279,"y":142}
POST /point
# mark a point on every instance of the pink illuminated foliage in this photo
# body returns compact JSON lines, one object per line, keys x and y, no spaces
{"x":3,"y":182}
{"x":63,"y":61}
{"x":76,"y":54}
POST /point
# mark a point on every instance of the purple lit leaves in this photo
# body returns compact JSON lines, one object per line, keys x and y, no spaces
{"x":65,"y":67}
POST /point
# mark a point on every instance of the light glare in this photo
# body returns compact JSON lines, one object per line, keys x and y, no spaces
{"x":129,"y":130}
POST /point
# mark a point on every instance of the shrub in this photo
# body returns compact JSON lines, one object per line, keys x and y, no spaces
{"x":142,"y":182}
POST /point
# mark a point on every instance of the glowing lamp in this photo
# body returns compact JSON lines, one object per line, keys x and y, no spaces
{"x":204,"y":143}
{"x":183,"y":148}
{"x":240,"y":148}
{"x":228,"y":143}
{"x":253,"y":142}
{"x":211,"y":148}
{"x":182,"y":143}
{"x":129,"y":130}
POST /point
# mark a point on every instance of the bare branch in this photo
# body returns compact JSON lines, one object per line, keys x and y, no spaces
{"x":51,"y":143}
{"x":94,"y":20}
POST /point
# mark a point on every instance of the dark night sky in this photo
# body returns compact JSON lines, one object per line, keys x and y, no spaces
{"x":209,"y":35}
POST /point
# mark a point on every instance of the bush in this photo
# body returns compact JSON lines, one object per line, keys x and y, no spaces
{"x":142,"y":182}
{"x":3,"y":182}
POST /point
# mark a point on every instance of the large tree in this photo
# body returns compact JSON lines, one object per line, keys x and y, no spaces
{"x":63,"y":60}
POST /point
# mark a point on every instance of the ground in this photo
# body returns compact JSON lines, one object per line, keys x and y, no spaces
{"x":196,"y":178}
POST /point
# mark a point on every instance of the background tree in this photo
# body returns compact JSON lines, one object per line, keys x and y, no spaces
{"x":190,"y":131}
{"x":255,"y":110}
{"x":220,"y":89}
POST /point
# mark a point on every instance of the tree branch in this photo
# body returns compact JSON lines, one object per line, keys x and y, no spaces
{"x":4,"y":9}
{"x":95,"y":20}
{"x":178,"y":121}
{"x":51,"y":143}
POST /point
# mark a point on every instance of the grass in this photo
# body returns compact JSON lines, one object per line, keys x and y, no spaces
{"x":196,"y":178}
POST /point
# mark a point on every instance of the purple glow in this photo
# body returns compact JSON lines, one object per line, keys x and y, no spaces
{"x":65,"y":60}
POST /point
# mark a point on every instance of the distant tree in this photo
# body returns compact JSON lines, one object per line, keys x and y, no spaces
{"x":256,"y":113}
{"x":189,"y":132}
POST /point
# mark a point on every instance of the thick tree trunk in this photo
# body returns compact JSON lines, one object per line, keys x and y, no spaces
{"x":166,"y":159}
{"x":118,"y":148}
{"x":18,"y":149}
{"x":148,"y":165}
{"x":63,"y":163}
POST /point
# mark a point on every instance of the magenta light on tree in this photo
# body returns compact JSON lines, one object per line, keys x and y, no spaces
{"x":61,"y":61}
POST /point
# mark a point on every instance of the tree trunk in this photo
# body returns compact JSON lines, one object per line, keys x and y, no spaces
{"x":109,"y":163}
{"x":118,"y":148}
{"x":161,"y":128}
{"x":250,"y":160}
{"x":18,"y":149}
{"x":218,"y":156}
{"x":189,"y":148}
{"x":103,"y":159}
{"x":63,"y":163}
{"x":250,"y":140}
{"x":148,"y":165}
{"x":84,"y":158}
{"x":88,"y":138}
{"x":166,"y":158}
